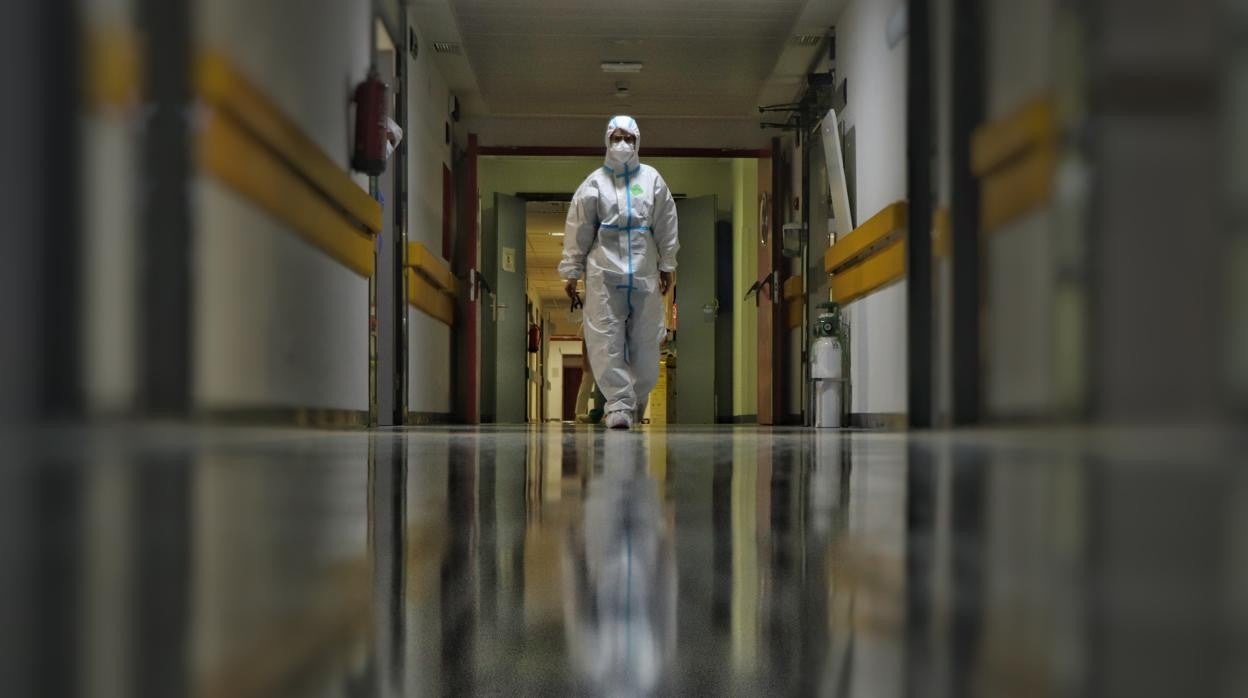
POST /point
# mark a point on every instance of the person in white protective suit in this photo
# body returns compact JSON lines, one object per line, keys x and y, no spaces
{"x":621,"y":238}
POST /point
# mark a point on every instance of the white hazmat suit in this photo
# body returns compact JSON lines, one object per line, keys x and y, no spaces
{"x":620,"y":233}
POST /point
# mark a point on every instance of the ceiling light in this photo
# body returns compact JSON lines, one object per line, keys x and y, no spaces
{"x":621,"y":66}
{"x":557,"y":235}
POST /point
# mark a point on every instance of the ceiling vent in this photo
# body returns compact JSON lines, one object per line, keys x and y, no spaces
{"x":807,"y":39}
{"x":621,"y":66}
{"x":447,"y":47}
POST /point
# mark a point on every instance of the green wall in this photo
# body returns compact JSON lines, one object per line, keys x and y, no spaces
{"x":689,"y":176}
{"x":745,"y":273}
{"x":734,"y":183}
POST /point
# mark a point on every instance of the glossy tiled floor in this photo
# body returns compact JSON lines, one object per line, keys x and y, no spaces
{"x":166,"y":561}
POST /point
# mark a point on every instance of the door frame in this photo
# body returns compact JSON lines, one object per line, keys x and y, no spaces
{"x":393,"y":325}
{"x":466,"y":335}
{"x":467,"y":332}
{"x":920,"y":151}
{"x":773,"y":375}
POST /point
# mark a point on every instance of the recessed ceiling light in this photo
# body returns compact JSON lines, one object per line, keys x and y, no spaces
{"x":557,"y":235}
{"x":621,"y":66}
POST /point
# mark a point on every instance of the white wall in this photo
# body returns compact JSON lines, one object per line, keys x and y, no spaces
{"x":277,"y":323}
{"x":876,"y":110}
{"x":428,"y":105}
{"x":554,"y":375}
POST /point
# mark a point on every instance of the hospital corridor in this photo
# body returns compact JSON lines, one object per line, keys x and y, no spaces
{"x":847,"y":348}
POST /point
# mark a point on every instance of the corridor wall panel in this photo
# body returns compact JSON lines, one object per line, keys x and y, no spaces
{"x":278,"y":324}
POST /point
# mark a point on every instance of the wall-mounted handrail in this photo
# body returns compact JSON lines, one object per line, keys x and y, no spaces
{"x":871,"y":256}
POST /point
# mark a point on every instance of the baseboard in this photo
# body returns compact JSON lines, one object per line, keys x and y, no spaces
{"x":314,"y":418}
{"x":878,"y":420}
{"x":421,"y":419}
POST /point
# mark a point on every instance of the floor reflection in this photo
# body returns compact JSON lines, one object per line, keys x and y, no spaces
{"x":171,"y":561}
{"x":619,"y":576}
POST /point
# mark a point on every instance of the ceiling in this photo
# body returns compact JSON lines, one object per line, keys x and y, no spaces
{"x":702,"y":58}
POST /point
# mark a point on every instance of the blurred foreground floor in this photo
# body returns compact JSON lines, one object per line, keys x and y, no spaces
{"x":165,"y":561}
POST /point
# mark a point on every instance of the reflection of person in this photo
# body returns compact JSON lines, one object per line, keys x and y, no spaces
{"x":619,"y":575}
{"x":621,"y":237}
{"x":587,"y":389}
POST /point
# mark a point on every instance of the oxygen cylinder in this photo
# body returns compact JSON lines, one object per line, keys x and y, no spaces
{"x":825,"y":367}
{"x":825,"y":357}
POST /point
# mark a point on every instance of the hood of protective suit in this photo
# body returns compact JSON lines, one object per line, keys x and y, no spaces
{"x":618,"y":159}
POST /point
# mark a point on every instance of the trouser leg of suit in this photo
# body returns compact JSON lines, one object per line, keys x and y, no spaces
{"x":646,"y":332}
{"x":623,"y":342}
{"x":606,"y":326}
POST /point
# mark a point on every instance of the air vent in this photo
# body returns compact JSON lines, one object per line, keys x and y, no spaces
{"x":807,"y":39}
{"x":621,"y":66}
{"x":447,"y":47}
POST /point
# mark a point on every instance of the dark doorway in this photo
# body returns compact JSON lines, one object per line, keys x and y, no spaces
{"x":571,"y":386}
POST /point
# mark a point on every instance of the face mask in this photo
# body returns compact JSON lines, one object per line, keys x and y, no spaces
{"x":620,"y":152}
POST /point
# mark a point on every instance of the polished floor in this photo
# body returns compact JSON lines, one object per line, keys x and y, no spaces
{"x":170,"y":560}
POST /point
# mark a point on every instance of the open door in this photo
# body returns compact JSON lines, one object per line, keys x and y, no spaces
{"x":505,"y":323}
{"x":698,"y":309}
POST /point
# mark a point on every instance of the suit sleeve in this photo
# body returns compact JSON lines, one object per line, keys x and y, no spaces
{"x":579,"y":231}
{"x":665,"y":226}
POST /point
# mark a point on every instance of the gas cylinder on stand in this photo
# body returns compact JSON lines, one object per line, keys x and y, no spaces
{"x":825,"y":367}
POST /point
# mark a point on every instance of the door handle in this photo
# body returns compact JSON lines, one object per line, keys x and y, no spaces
{"x":767,"y":282}
{"x":764,"y":217}
{"x":711,"y":310}
{"x":476,"y":283}
{"x":753,"y":291}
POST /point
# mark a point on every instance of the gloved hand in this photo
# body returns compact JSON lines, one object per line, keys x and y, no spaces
{"x":665,"y":281}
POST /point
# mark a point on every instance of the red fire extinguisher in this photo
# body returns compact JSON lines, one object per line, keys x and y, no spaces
{"x":369,"y":156}
{"x":535,"y":338}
